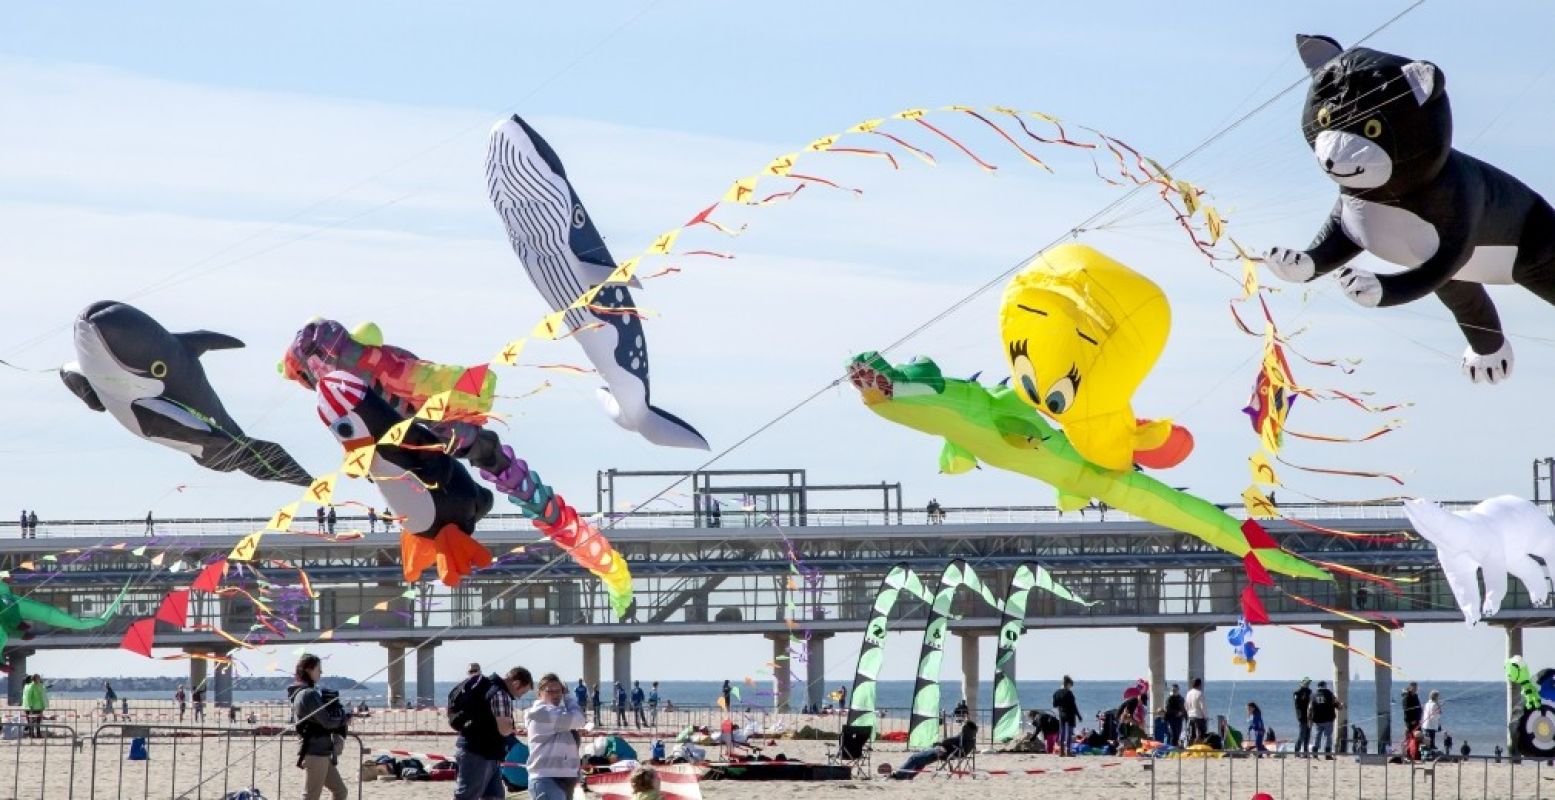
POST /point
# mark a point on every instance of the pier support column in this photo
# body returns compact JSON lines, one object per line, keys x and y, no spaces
{"x":1156,"y":652}
{"x":396,"y":674}
{"x":590,"y":661}
{"x":16,"y":660}
{"x":221,"y":684}
{"x":815,"y":670}
{"x":1514,"y":700}
{"x":1341,"y":687}
{"x":197,"y":671}
{"x":426,"y":680}
{"x":782,"y":675}
{"x":621,"y":662}
{"x":1382,"y":647}
{"x":971,"y":670}
{"x":1195,"y":655}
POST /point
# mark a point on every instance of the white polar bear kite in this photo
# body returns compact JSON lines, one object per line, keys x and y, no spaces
{"x":1499,"y":536}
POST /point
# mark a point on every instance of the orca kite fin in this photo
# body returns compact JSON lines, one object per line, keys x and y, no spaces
{"x":653,"y":423}
{"x":80,"y":386}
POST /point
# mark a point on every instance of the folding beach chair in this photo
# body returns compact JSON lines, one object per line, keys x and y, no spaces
{"x":962,"y":761}
{"x":853,"y":749}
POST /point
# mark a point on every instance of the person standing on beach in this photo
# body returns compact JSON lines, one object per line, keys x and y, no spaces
{"x":34,"y":702}
{"x":481,"y":710}
{"x":727,"y":693}
{"x":598,"y":703}
{"x":653,"y":705}
{"x":552,"y":725}
{"x":183,"y":701}
{"x":198,"y":696}
{"x":1255,"y":727}
{"x":109,"y":696}
{"x":1068,"y":714}
{"x":1431,"y":720}
{"x":638,"y":698}
{"x":1198,"y":715}
{"x":620,"y":706}
{"x":1176,"y":712}
{"x":321,"y":726}
{"x":581,"y":692}
{"x":1324,"y":710}
{"x":1302,"y":697}
{"x":1410,"y":700}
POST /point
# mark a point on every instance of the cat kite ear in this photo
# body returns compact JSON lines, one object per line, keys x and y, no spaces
{"x":1316,"y":51}
{"x":1424,"y":79}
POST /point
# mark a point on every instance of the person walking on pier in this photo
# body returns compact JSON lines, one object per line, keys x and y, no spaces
{"x":620,"y":706}
{"x":1068,"y":715}
{"x":1176,"y":711}
{"x":24,"y":524}
{"x":1324,"y":710}
{"x":481,"y":709}
{"x":552,"y":725}
{"x":321,"y":726}
{"x":372,"y":520}
{"x":1302,"y":697}
{"x":1198,"y":715}
{"x":32,"y":524}
{"x":638,"y":697}
{"x":151,"y":524}
{"x":653,"y":705}
{"x":319,"y":515}
{"x":329,"y":520}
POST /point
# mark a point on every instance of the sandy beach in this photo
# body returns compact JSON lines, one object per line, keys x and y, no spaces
{"x":216,"y":765}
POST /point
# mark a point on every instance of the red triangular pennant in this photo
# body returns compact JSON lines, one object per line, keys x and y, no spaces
{"x":175,"y":608}
{"x":210,"y":577}
{"x":473,"y":380}
{"x":139,"y":636}
{"x":1257,"y":537}
{"x":1256,"y":574}
{"x":1252,"y":608}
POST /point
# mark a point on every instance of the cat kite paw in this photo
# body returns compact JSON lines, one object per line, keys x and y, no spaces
{"x":1360,"y":286}
{"x":1294,"y":266}
{"x":1493,"y":368}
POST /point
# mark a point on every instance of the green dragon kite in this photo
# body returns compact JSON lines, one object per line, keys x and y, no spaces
{"x":19,"y":614}
{"x":991,"y":425}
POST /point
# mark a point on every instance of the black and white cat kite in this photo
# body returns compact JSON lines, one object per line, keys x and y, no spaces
{"x":1381,"y":127}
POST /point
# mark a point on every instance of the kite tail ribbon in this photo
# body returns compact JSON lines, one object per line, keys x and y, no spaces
{"x":555,"y":518}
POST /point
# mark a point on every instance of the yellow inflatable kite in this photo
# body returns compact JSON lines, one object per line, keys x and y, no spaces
{"x":1081,"y":332}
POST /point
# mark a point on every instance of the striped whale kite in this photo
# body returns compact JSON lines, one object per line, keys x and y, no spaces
{"x":565,"y":257}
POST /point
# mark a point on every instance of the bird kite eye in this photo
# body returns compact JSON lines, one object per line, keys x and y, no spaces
{"x":1324,"y":116}
{"x":344,"y":429}
{"x":1373,"y":128}
{"x":158,"y":369}
{"x":1060,"y":395}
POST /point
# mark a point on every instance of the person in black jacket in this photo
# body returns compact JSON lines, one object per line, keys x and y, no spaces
{"x":1411,"y":703}
{"x":1322,"y":713}
{"x":1176,"y":712}
{"x":321,"y":726}
{"x":1068,"y":714}
{"x":484,"y":708}
{"x":1302,"y":698}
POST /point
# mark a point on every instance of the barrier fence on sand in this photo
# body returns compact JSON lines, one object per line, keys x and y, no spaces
{"x":142,"y":761}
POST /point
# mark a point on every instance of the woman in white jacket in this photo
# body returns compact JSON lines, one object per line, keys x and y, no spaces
{"x":553,"y":723}
{"x":1431,"y":722}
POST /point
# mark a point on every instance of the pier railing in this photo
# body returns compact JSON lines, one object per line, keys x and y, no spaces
{"x":730,"y":518}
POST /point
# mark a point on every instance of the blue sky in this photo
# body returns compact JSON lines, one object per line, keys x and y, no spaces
{"x":298,"y":159}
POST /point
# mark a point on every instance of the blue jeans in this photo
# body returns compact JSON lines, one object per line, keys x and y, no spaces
{"x":478,"y":777}
{"x":1065,"y":737}
{"x":1323,"y":736}
{"x":552,"y":788}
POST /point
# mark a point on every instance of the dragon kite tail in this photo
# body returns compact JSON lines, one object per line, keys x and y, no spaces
{"x":44,"y":614}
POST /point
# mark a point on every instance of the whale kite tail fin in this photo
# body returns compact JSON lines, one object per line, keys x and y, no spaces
{"x":455,"y":553}
{"x":256,"y":458}
{"x":653,"y":423}
{"x":1177,"y":445}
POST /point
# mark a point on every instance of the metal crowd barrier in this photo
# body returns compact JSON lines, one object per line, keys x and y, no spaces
{"x":197,"y":762}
